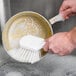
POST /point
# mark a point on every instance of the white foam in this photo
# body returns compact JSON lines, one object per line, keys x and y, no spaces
{"x":13,"y":74}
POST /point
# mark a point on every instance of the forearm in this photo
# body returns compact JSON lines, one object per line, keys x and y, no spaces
{"x":72,"y":36}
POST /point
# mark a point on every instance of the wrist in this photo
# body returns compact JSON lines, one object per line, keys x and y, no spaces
{"x":72,"y":37}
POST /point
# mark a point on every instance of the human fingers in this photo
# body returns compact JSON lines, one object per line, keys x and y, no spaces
{"x":46,"y":46}
{"x":66,"y":14}
{"x":64,"y":6}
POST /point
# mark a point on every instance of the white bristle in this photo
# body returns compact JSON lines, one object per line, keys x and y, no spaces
{"x":21,"y":51}
{"x":37,"y":57}
{"x":30,"y":54}
{"x":19,"y":54}
{"x":33,"y":58}
{"x":22,"y":54}
{"x":25,"y":56}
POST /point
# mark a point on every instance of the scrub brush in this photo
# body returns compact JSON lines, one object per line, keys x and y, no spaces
{"x":29,"y":50}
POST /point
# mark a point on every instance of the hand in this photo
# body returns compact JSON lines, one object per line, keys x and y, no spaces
{"x":68,"y":8}
{"x":59,"y":43}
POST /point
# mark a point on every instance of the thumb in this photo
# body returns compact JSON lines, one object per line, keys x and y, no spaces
{"x":46,"y":46}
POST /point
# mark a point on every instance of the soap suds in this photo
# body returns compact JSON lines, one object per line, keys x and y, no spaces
{"x":13,"y":74}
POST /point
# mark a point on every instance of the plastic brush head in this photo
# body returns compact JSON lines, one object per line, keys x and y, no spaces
{"x":23,"y":55}
{"x":32,"y":42}
{"x":29,"y":50}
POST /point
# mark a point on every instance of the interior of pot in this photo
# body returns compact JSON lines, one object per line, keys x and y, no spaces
{"x":13,"y":30}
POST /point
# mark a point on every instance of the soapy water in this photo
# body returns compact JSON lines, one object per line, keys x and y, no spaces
{"x":14,"y":74}
{"x":64,"y":72}
{"x":19,"y":69}
{"x":14,"y":69}
{"x":71,"y":72}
